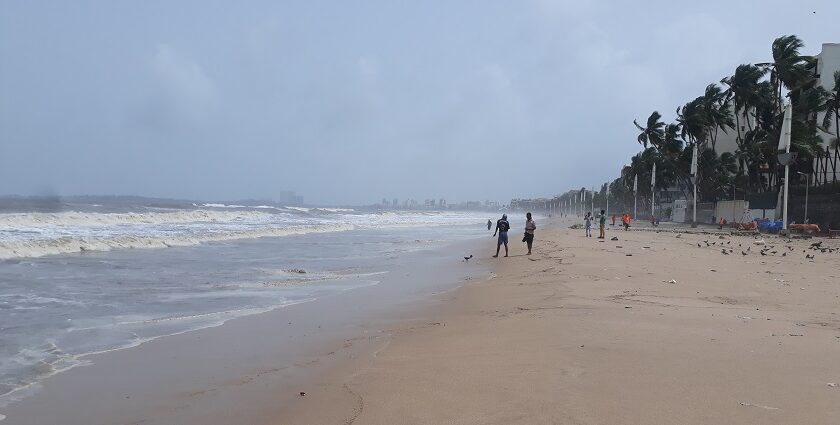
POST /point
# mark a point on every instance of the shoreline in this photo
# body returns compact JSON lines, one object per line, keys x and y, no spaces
{"x":226,"y":369}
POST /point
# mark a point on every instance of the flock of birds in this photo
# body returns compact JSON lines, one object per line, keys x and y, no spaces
{"x":727,"y":248}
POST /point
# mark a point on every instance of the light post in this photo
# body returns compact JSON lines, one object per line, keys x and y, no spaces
{"x":807,"y":185}
{"x":653,"y":193}
{"x":635,"y":188}
{"x":733,"y":203}
{"x":694,"y":183}
{"x":608,"y":199}
{"x":786,"y":159}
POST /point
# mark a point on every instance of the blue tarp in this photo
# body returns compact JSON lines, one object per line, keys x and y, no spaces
{"x":767,"y":225}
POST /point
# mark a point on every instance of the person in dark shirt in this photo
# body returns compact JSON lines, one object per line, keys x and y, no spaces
{"x":502,"y":227}
{"x":489,"y":224}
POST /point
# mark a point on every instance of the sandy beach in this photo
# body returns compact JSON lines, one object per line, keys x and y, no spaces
{"x":654,"y":328}
{"x":657,"y":327}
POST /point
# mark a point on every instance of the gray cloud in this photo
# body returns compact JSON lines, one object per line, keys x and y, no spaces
{"x":349,"y":103}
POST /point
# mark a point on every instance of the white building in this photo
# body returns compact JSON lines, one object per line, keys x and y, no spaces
{"x":828,"y":62}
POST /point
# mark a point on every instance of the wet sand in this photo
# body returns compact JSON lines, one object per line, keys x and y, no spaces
{"x":251,"y":369}
{"x":595,"y":332}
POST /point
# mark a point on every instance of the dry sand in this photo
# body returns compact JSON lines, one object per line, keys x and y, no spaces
{"x":591,"y":332}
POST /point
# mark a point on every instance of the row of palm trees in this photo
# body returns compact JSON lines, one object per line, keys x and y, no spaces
{"x":750,"y":102}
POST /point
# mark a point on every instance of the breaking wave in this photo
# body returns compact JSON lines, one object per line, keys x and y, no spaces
{"x":73,"y":244}
{"x":36,"y":234}
{"x":23,"y":221}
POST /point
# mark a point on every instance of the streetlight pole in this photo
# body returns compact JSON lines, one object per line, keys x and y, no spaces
{"x":653,"y":194}
{"x":608,"y":199}
{"x":733,"y":203}
{"x":807,"y":185}
{"x":784,"y":143}
{"x":635,"y":188}
{"x":694,"y":183}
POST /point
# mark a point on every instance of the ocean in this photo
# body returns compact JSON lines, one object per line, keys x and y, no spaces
{"x":90,"y":277}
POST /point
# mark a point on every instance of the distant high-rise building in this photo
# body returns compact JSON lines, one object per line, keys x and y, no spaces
{"x":288,"y":197}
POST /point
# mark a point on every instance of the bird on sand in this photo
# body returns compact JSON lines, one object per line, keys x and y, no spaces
{"x":467,"y":259}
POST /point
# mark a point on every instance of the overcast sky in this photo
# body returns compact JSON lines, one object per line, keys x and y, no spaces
{"x":348,"y":102}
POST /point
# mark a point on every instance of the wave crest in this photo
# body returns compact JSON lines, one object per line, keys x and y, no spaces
{"x":73,"y":244}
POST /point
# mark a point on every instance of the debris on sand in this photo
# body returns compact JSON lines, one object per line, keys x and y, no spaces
{"x":672,"y":281}
{"x":743,"y":403}
{"x":299,"y":271}
{"x":302,"y":394}
{"x":614,"y":238}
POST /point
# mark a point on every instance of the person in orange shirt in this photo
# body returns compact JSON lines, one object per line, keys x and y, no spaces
{"x":625,"y":220}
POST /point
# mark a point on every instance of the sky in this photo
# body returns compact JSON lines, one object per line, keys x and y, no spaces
{"x":348,"y":102}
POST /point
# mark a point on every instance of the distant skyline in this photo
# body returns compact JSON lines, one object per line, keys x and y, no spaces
{"x":351,"y":102}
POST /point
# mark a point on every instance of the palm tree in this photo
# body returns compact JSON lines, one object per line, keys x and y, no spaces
{"x":671,"y":146}
{"x":789,"y":69}
{"x":652,"y":132}
{"x":719,"y":172}
{"x":692,"y":123}
{"x":744,"y":92}
{"x":715,"y":105}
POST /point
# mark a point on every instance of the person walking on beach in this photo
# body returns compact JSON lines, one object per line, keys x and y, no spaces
{"x":530,"y":226}
{"x":625,"y":220}
{"x":588,"y":224}
{"x":602,"y":220}
{"x":502,"y":227}
{"x":489,"y":224}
